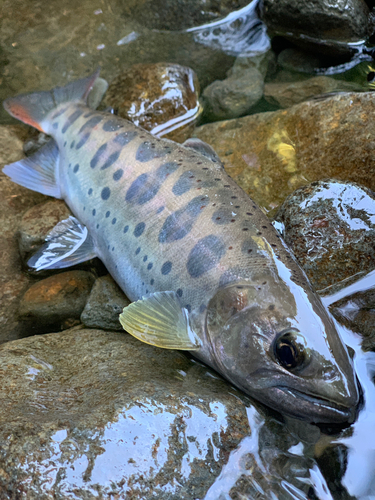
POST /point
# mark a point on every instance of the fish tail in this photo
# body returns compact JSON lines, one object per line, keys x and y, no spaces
{"x":33,"y":108}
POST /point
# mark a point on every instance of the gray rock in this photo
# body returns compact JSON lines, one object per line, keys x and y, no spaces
{"x":234,"y":96}
{"x":330,"y":226}
{"x":14,"y":201}
{"x":57,"y":301}
{"x":37,"y":222}
{"x":329,"y":25}
{"x":264,"y":62}
{"x":289,"y":93}
{"x":100,"y":415}
{"x":105,"y":303}
{"x":299,"y":60}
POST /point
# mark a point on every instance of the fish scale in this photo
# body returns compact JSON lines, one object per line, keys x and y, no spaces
{"x":204,"y":266}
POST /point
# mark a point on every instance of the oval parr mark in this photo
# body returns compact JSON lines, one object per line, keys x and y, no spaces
{"x":91,"y":123}
{"x":205,"y":255}
{"x":124,"y":138}
{"x":135,"y":187}
{"x":166,"y":267}
{"x":139,"y":229}
{"x":118,"y":174}
{"x":76,"y":168}
{"x":111,"y":160}
{"x":98,"y":155}
{"x":106,"y":193}
{"x":71,"y":119}
{"x":113,"y":124}
{"x":149,"y":151}
{"x":83,"y":140}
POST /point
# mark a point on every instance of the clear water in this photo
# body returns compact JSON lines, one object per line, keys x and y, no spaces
{"x":48,"y":43}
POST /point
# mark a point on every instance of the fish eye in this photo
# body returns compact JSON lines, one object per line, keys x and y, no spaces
{"x":290,"y":350}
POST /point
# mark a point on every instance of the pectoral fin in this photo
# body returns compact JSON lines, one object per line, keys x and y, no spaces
{"x":68,"y":243}
{"x":203,"y":148}
{"x":160,"y":320}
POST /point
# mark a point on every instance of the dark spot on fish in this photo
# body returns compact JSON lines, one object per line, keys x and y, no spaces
{"x":118,"y":174}
{"x":126,"y":229}
{"x":106,"y":193}
{"x":97,"y":226}
{"x":111,"y":160}
{"x":145,"y":258}
{"x":84,"y":208}
{"x":179,"y":292}
{"x":83,"y":140}
{"x":271,"y":307}
{"x":97,"y":155}
{"x":55,"y":125}
{"x":144,"y":191}
{"x":64,"y":144}
{"x":124,"y":138}
{"x":89,"y":192}
{"x":160,"y":209}
{"x":76,"y":168}
{"x":149,"y":267}
{"x":72,"y":144}
{"x":114,"y":220}
{"x":222,"y":216}
{"x":94,"y":212}
{"x":184,"y":184}
{"x":107,"y":214}
{"x":89,"y":113}
{"x":166,"y":267}
{"x":90,"y":124}
{"x":205,"y":255}
{"x":113,"y":248}
{"x":178,"y":224}
{"x":135,"y":187}
{"x":59,"y":113}
{"x":71,"y":119}
{"x":202,"y":308}
{"x":112,"y":125}
{"x":146,"y":152}
{"x":138,"y":250}
{"x":139,"y":228}
{"x":152,"y":281}
{"x":230,"y":248}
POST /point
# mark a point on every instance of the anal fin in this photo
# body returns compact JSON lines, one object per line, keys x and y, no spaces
{"x":37,"y":172}
{"x":160,"y":320}
{"x":68,"y":243}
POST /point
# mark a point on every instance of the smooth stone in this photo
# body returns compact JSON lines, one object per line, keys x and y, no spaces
{"x":271,"y":154}
{"x":289,"y":93}
{"x":157,"y":97}
{"x":104,"y":305}
{"x":14,"y":201}
{"x":330,"y":227}
{"x":264,"y":62}
{"x":37,"y":222}
{"x":326,"y":26}
{"x":57,"y":301}
{"x":293,"y":59}
{"x":104,"y":416}
{"x":234,"y":96}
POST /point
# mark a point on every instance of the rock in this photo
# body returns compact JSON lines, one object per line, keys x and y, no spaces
{"x":104,"y":305}
{"x":102,"y":415}
{"x":57,"y":301}
{"x":234,"y":96}
{"x":157,"y":97}
{"x":32,"y":145}
{"x":262,"y":62}
{"x":326,"y":25}
{"x":271,"y":154}
{"x":14,"y":200}
{"x":298,"y":60}
{"x":37,"y":222}
{"x":290,"y":93}
{"x":330,"y":226}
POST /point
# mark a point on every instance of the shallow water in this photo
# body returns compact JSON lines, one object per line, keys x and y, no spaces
{"x":44,"y":44}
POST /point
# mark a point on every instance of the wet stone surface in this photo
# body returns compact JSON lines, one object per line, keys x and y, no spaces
{"x":330,"y":226}
{"x":99,"y":414}
{"x":104,"y":305}
{"x":271,"y":154}
{"x":161,"y":97}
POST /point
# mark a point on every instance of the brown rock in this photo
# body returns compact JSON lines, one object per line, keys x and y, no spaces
{"x":271,"y":154}
{"x":57,"y":300}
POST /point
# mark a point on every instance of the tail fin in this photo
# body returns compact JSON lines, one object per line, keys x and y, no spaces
{"x":33,"y":108}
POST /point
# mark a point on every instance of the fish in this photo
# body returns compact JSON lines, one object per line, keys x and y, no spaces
{"x":205,"y":269}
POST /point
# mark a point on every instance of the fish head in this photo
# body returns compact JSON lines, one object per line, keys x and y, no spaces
{"x":283,"y":348}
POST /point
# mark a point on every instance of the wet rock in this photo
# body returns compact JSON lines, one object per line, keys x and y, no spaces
{"x":160,"y":97}
{"x":271,"y":154}
{"x":290,"y":93}
{"x":330,"y":226}
{"x":14,"y":200}
{"x":37,"y":222}
{"x":102,"y":415}
{"x":262,"y":62}
{"x":298,"y":60}
{"x":32,"y":145}
{"x":234,"y":96}
{"x":105,"y":303}
{"x":319,"y":24}
{"x":57,"y":301}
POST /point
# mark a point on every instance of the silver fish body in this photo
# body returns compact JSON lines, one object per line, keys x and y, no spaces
{"x":165,"y":218}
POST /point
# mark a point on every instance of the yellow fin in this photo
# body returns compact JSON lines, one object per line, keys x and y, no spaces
{"x":160,"y":320}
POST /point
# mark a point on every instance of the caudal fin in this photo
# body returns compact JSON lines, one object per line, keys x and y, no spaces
{"x":33,"y":108}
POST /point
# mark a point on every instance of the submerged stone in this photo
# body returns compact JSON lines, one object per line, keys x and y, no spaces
{"x":160,"y":97}
{"x":271,"y":154}
{"x":104,"y":305}
{"x":102,"y":415}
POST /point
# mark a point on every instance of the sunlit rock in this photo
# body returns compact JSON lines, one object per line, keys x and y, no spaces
{"x":161,"y":97}
{"x":272,"y":154}
{"x":102,"y":414}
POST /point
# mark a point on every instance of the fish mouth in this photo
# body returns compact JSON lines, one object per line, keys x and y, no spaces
{"x":314,"y":408}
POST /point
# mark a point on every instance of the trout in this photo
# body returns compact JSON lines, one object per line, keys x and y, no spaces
{"x":206,"y":270}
